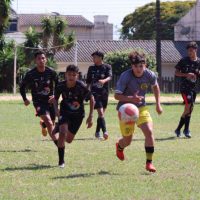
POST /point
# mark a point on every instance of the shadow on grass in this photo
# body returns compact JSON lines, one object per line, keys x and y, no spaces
{"x":84,"y":139}
{"x":157,"y":139}
{"x":18,"y":151}
{"x":30,"y":167}
{"x":86,"y":175}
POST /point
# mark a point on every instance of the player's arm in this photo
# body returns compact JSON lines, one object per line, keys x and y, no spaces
{"x":90,"y":117}
{"x":180,"y":73}
{"x":156,"y":91}
{"x":89,"y":78}
{"x":22,"y":89}
{"x":55,"y":100}
{"x":109,"y":76}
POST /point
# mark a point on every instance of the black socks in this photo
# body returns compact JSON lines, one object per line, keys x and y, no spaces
{"x":61,"y":154}
{"x":181,"y":123}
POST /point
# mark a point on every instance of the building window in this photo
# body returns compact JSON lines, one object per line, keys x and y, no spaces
{"x":12,"y":26}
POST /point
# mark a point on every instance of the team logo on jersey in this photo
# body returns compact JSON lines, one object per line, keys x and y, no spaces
{"x":48,"y":82}
{"x":102,"y":75}
{"x":189,"y":97}
{"x":74,"y":105}
{"x":144,"y":86}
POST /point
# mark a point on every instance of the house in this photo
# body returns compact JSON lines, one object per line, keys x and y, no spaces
{"x":172,"y":52}
{"x":188,"y":27}
{"x":100,"y":29}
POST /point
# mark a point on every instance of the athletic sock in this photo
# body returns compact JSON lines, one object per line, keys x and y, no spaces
{"x":149,"y":154}
{"x":181,"y":123}
{"x":103,"y":124}
{"x":43,"y":125}
{"x":61,"y":154}
{"x":98,"y":125}
{"x":56,"y":142}
{"x":120,"y":148}
{"x":187,"y":122}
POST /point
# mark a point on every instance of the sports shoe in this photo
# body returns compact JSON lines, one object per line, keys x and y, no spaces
{"x":105,"y":135}
{"x":178,"y":133}
{"x":62,"y":165}
{"x":187,"y":133}
{"x":44,"y":128}
{"x":97,"y":135}
{"x":119,"y":153}
{"x":150,"y":167}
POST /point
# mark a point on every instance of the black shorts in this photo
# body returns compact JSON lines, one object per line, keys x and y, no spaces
{"x":100,"y":102}
{"x":73,"y":122}
{"x":45,"y":109}
{"x":189,"y":97}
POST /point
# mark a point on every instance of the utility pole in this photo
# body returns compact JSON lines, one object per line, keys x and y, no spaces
{"x":15,"y":69}
{"x":76,"y":53}
{"x":158,"y":40}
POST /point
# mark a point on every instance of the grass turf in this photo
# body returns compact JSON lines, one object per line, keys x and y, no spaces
{"x":28,"y":162}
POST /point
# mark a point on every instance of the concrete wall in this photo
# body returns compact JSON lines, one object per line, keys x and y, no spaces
{"x":188,"y":28}
{"x":168,"y":69}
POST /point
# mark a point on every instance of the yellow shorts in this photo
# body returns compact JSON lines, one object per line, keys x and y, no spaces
{"x":144,"y":117}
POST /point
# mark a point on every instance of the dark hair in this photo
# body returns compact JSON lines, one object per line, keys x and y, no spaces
{"x":136,"y":57}
{"x":193,"y":45}
{"x":98,"y":53}
{"x":72,"y":68}
{"x":40,"y":52}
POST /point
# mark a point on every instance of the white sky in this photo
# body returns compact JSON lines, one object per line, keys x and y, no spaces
{"x":115,"y":9}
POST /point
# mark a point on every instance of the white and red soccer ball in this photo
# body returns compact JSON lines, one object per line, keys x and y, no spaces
{"x":128,"y":113}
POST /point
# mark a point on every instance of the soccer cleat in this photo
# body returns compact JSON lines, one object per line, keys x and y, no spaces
{"x":178,"y":133}
{"x":97,"y":135}
{"x":105,"y":135}
{"x":44,"y":128}
{"x":150,"y":167}
{"x":119,"y":153}
{"x":62,"y":165}
{"x":187,"y":133}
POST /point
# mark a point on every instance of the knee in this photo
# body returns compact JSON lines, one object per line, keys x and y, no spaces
{"x":68,"y":140}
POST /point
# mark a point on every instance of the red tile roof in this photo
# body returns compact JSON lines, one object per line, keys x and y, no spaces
{"x":35,"y":20}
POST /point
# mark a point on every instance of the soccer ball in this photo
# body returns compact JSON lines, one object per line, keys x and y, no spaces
{"x":128,"y":113}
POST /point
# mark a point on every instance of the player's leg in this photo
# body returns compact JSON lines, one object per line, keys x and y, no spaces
{"x":48,"y":122}
{"x":186,"y":99}
{"x":145,"y":123}
{"x":147,"y":129}
{"x":188,"y":113}
{"x":127,"y":131}
{"x":63,"y":128}
{"x":101,"y":109}
{"x":73,"y":127}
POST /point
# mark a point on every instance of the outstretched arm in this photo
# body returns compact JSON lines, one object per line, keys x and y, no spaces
{"x":156,"y":91}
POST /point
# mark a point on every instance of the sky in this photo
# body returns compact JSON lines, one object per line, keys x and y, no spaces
{"x":115,"y":9}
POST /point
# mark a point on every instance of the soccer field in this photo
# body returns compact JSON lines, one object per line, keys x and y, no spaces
{"x":28,"y":162}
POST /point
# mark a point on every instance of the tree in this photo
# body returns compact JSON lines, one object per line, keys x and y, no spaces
{"x":120,"y":62}
{"x":6,"y":66}
{"x":4,"y":18}
{"x":52,"y":38}
{"x":141,"y":24}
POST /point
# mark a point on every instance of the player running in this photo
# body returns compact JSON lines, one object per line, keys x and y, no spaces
{"x":188,"y":69}
{"x":98,"y":77}
{"x":41,"y":81}
{"x":131,"y":88}
{"x":72,"y":112}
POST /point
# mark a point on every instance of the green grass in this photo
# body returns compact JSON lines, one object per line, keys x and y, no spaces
{"x":28,"y":162}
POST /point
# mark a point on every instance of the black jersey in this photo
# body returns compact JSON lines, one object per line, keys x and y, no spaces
{"x":186,"y":65}
{"x":96,"y":73}
{"x":72,"y":98}
{"x":41,"y":84}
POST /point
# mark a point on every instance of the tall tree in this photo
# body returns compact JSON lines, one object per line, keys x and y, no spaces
{"x":4,"y":18}
{"x":141,"y":24}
